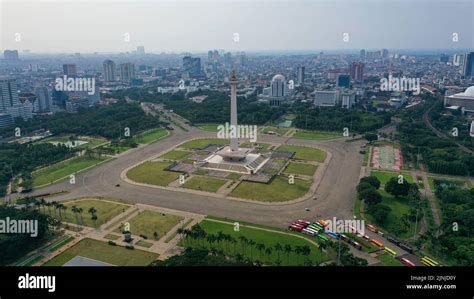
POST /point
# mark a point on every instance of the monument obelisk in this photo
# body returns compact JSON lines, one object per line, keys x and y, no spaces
{"x":234,"y":141}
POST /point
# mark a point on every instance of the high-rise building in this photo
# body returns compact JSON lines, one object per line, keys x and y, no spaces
{"x":384,"y":53}
{"x":300,"y":74}
{"x":141,"y":50}
{"x":10,"y":54}
{"x":443,"y":58}
{"x":278,"y":86}
{"x":70,"y":70}
{"x":343,"y":81}
{"x":458,"y":59}
{"x":468,"y":65}
{"x":127,"y":72}
{"x":10,"y":105}
{"x":109,"y":71}
{"x":362,"y":54}
{"x":356,"y":70}
{"x":192,"y":65}
{"x":43,"y":99}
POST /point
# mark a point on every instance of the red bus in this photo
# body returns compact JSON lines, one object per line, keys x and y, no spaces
{"x":407,"y":262}
{"x":296,"y":227}
{"x":378,"y":243}
{"x":371,"y":228}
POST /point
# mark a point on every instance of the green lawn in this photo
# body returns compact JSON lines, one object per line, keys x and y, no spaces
{"x":278,"y":190}
{"x":301,"y":168}
{"x":106,"y":210}
{"x":152,"y":173}
{"x":261,"y":146}
{"x":279,"y":131}
{"x":142,"y":243}
{"x":389,"y":260}
{"x":317,"y":135}
{"x":149,"y":222}
{"x":269,"y":239}
{"x":63,"y":169}
{"x":176,"y":155}
{"x":365,"y":161}
{"x":151,"y":136}
{"x":208,"y":127}
{"x":233,"y":176}
{"x":101,"y":251}
{"x":60,"y":244}
{"x":203,"y":183}
{"x":201,"y":143}
{"x":385,"y":176}
{"x":392,"y":224}
{"x":114,"y":149}
{"x":304,"y":153}
{"x":112,"y":237}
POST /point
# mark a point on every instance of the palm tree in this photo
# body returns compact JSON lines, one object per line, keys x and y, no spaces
{"x":55,"y":206}
{"x":298,"y":250}
{"x":37,"y":205}
{"x":268,"y":252}
{"x":288,"y":249}
{"x":251,"y":243}
{"x":243,"y":241}
{"x":278,"y":248}
{"x":260,"y":247}
{"x":234,"y":242}
{"x":305,"y":251}
{"x":93,"y":212}
{"x":60,"y":207}
{"x":79,"y":210}
{"x":48,"y":204}
{"x":43,"y":203}
{"x":75,"y":210}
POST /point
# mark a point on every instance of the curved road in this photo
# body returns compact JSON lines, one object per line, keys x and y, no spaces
{"x":335,"y":193}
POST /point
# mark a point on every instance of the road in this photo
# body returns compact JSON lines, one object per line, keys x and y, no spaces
{"x":335,"y":194}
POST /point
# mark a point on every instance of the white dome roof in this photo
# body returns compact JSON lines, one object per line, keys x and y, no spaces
{"x":469,"y":91}
{"x":278,"y":78}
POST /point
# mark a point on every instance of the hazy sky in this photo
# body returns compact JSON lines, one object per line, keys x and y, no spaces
{"x":101,"y":25}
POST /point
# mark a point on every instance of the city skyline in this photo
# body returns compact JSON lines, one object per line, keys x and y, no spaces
{"x":163,"y":26}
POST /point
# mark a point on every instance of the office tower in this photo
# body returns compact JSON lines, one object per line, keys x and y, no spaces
{"x":209,"y":55}
{"x":8,"y":94}
{"x":356,"y":70}
{"x":362,"y":54}
{"x":228,"y":58}
{"x":10,"y":105}
{"x":59,"y":98}
{"x":458,"y":59}
{"x":109,"y":71}
{"x":127,"y":72}
{"x":278,"y":86}
{"x":384,"y":53}
{"x":141,"y":50}
{"x":443,"y":58}
{"x":192,"y":66}
{"x":10,"y":54}
{"x":468,"y":65}
{"x":300,"y":74}
{"x":343,"y":81}
{"x":43,"y":99}
{"x":70,"y":70}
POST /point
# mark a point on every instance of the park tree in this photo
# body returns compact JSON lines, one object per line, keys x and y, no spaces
{"x":371,"y":196}
{"x":371,"y":180}
{"x":380,"y":213}
{"x":370,"y":137}
{"x":397,"y":188}
{"x":364,"y":186}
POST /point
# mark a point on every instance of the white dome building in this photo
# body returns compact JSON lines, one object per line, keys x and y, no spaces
{"x":463,"y":100}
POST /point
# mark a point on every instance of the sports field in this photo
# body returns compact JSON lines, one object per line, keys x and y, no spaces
{"x":386,"y":157}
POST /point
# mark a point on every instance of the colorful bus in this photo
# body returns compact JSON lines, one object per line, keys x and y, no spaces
{"x":356,"y":245}
{"x":323,"y":237}
{"x":371,"y":228}
{"x":406,"y":247}
{"x":322,"y":222}
{"x":430,"y":261}
{"x":316,"y":227}
{"x":407,"y":262}
{"x":308,"y":232}
{"x":378,"y":243}
{"x":332,"y":234}
{"x":392,"y":252}
{"x":296,"y":227}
